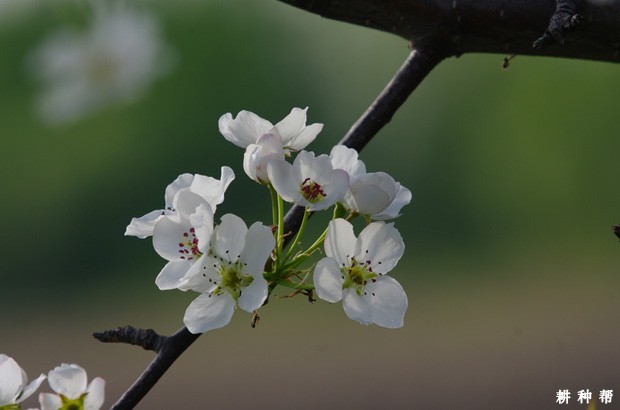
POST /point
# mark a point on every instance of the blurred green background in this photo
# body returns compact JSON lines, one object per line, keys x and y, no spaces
{"x":511,"y":268}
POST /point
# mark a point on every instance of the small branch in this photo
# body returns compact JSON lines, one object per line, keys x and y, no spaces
{"x":148,"y":339}
{"x":169,"y":350}
{"x":616,"y":230}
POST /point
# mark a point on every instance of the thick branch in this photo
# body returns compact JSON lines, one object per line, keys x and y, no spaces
{"x":487,"y":26}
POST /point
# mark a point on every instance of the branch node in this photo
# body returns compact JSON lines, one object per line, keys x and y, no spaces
{"x":148,"y":339}
{"x":564,"y":19}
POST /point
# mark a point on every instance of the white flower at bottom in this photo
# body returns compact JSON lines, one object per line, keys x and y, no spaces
{"x":13,"y":383}
{"x":69,"y":381}
{"x":230,"y":275}
{"x":354,"y":272}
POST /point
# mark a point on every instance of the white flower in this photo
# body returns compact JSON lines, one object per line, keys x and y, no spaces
{"x":114,"y":60}
{"x":257,"y":156}
{"x":210,"y":189}
{"x":72,"y":392}
{"x":13,"y":383}
{"x":354,"y":272}
{"x":230,"y":275}
{"x":183,"y":238}
{"x":248,"y":127}
{"x":376,"y":194}
{"x":310,"y":182}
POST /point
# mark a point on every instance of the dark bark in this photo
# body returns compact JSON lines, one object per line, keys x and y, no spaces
{"x":482,"y":26}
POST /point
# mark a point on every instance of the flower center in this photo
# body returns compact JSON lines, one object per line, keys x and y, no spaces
{"x":188,"y":245}
{"x":72,"y":404}
{"x":357,"y":275}
{"x":233,"y":279}
{"x":312,"y":191}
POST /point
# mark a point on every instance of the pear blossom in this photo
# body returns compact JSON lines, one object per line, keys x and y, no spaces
{"x":376,"y":194}
{"x":246,"y":129}
{"x":230,"y":276}
{"x":310,"y":181}
{"x":355,"y":269}
{"x":14,"y":386}
{"x":210,"y":189}
{"x":114,"y":60}
{"x":69,"y":381}
{"x":183,"y":238}
{"x":257,"y":156}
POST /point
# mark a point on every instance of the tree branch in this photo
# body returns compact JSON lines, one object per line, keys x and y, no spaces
{"x":482,"y":26}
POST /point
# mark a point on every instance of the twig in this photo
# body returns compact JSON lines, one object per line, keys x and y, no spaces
{"x":616,"y":229}
{"x":417,"y":66}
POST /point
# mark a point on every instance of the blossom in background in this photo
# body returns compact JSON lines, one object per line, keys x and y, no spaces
{"x":183,"y":238}
{"x":69,"y":381}
{"x":210,"y":189}
{"x":310,"y":181}
{"x":14,"y":387}
{"x":114,"y":60}
{"x":247,"y":128}
{"x":230,"y":275}
{"x":354,"y":272}
{"x":376,"y":194}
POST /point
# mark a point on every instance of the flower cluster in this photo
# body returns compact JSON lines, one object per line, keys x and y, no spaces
{"x":68,"y":381}
{"x":232,"y":266}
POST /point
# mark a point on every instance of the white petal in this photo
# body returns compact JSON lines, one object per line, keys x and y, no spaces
{"x":183,"y":181}
{"x":257,"y":156}
{"x":202,"y":222}
{"x":281,"y":176}
{"x":373,"y":192}
{"x":328,"y":280}
{"x":253,"y":296}
{"x":168,"y":233}
{"x":209,"y":312}
{"x":340,"y":241}
{"x":229,"y":238}
{"x":347,"y":159}
{"x":96,"y":394}
{"x":170,"y":277}
{"x":291,"y":125}
{"x":305,"y":137}
{"x":244,"y":130}
{"x":203,"y":275}
{"x":335,"y":189}
{"x":259,"y":243}
{"x":356,"y":307}
{"x":143,"y":226}
{"x":403,"y":197}
{"x":31,"y":388}
{"x":211,"y":189}
{"x":11,"y":381}
{"x":382,"y":245}
{"x":388,"y":301}
{"x":68,"y":380}
{"x":49,"y":401}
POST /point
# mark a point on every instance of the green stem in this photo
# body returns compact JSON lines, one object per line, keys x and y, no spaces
{"x":292,"y":285}
{"x":298,"y":236}
{"x":274,"y":206}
